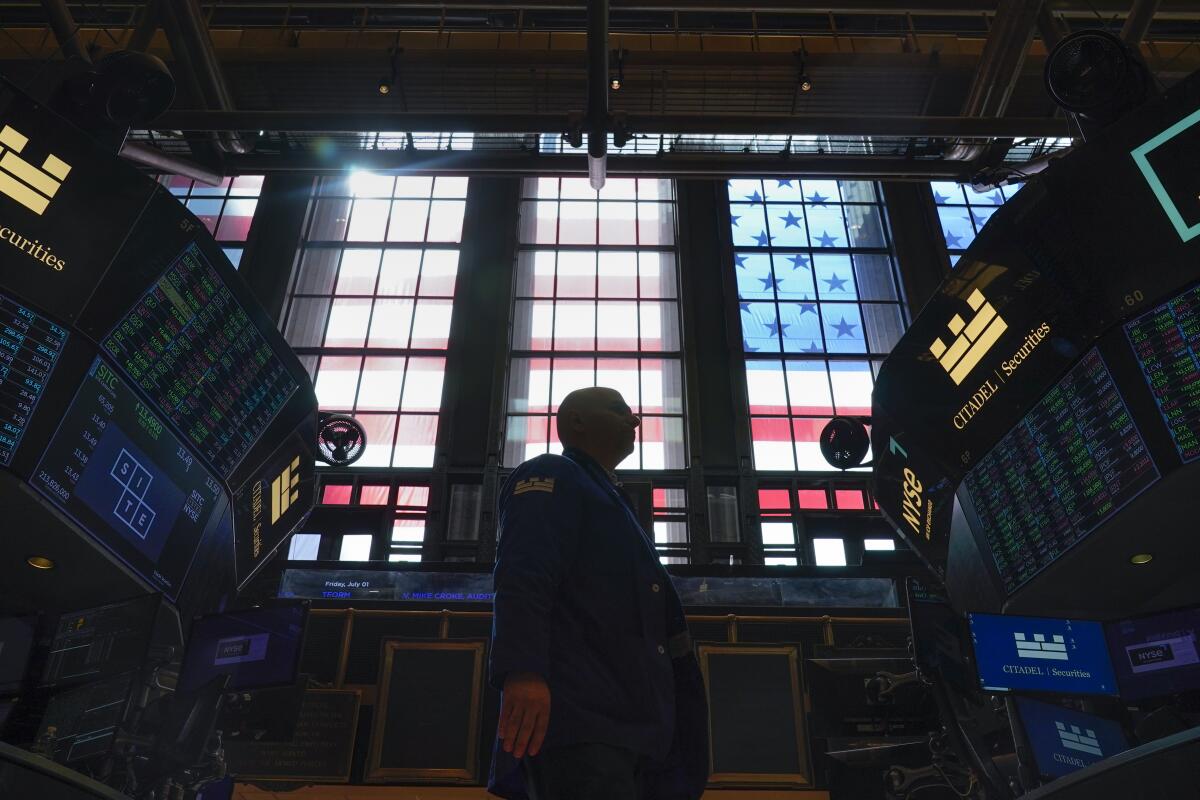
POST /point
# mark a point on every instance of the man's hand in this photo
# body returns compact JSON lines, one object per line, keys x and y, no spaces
{"x":524,"y":713}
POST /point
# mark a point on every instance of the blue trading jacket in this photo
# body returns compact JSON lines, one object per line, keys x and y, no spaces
{"x":582,"y":599}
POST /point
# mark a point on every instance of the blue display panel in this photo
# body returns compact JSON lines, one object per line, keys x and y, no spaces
{"x":120,"y":473}
{"x":194,"y":350}
{"x":29,"y":349}
{"x":1039,"y":654}
{"x":257,"y":648}
{"x":1166,"y":341}
{"x":1156,"y":656}
{"x":1074,"y":461}
{"x":1063,"y":740}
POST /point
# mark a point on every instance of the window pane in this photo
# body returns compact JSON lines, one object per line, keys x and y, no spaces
{"x":356,"y":547}
{"x":439,"y":271}
{"x":336,"y":494}
{"x":329,"y":220}
{"x":348,"y":321}
{"x":381,"y":433}
{"x":829,"y":552}
{"x":423,"y":384}
{"x":849,"y":499}
{"x":765,"y":387}
{"x":535,"y":274}
{"x":576,"y":222}
{"x":304,"y":547}
{"x":772,"y":444}
{"x":879,"y":544}
{"x":209,"y":211}
{"x":409,"y":219}
{"x":408,"y":530}
{"x":391,"y":323}
{"x":235,"y":220}
{"x":374,"y":495}
{"x":368,"y":220}
{"x":306,"y":322}
{"x":808,"y":443}
{"x":317,"y":270}
{"x":575,"y":325}
{"x":778,"y":533}
{"x":525,"y":438}
{"x":656,"y":224}
{"x":662,"y":386}
{"x":874,"y":278}
{"x":723,"y":514}
{"x":618,"y":274}
{"x":446,"y":220}
{"x":576,"y":274}
{"x":420,"y":186}
{"x":382,"y":380}
{"x":656,"y":275}
{"x":616,"y":326}
{"x":398,"y":275}
{"x":359,"y":271}
{"x":529,"y":385}
{"x":852,"y":386}
{"x":808,"y":387}
{"x":618,"y":223}
{"x":337,"y":382}
{"x":415,"y":440}
{"x":431,"y":324}
{"x":813,"y":498}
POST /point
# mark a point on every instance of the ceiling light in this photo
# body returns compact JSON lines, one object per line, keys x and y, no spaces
{"x":1141,"y":558}
{"x":805,"y":83}
{"x":616,"y":84}
{"x":385,"y":85}
{"x":40,"y":562}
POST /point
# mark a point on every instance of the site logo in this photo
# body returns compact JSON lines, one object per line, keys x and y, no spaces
{"x":1038,"y":647}
{"x":972,"y":339}
{"x":1085,"y":741}
{"x":30,"y":186}
{"x":285,"y":490}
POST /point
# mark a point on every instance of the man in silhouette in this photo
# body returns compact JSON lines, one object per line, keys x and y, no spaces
{"x":602,"y":696}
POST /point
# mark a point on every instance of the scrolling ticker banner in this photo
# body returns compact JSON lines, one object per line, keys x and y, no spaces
{"x":1099,"y":237}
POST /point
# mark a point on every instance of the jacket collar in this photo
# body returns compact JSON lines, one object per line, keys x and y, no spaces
{"x":592,"y":466}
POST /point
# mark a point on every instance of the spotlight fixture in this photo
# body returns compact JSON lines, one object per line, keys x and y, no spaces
{"x":619,"y":57}
{"x":40,"y":562}
{"x":1141,"y":558}
{"x":385,"y":85}
{"x":803,"y":81}
{"x":388,"y":81}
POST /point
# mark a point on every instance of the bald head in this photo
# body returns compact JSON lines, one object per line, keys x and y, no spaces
{"x":598,"y":421}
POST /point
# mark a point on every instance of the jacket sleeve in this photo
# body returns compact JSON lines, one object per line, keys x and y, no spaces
{"x":539,"y":536}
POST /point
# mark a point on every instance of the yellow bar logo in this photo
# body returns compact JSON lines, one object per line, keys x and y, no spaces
{"x":30,"y":186}
{"x":973,"y":339}
{"x":284,"y":490}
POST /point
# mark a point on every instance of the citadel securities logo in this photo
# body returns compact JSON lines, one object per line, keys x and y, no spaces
{"x":973,"y":339}
{"x":1038,"y":647}
{"x":30,"y":186}
{"x":285,"y":490}
{"x":1083,"y":740}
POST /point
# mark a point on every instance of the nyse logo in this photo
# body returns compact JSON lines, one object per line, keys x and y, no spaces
{"x":284,"y":490}
{"x":972,"y":339}
{"x":22,"y":181}
{"x":1084,"y":741}
{"x":1038,"y":647}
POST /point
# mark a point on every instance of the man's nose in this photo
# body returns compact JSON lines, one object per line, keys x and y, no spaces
{"x":635,"y":420}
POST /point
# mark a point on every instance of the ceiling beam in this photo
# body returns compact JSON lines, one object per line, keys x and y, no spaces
{"x":667,"y":165}
{"x":732,"y":124}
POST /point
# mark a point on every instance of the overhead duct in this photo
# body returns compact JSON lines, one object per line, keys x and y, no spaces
{"x":999,"y":67}
{"x":1138,"y":22}
{"x":596,"y":120}
{"x":197,"y":61}
{"x":65,"y":29}
{"x":158,"y":160}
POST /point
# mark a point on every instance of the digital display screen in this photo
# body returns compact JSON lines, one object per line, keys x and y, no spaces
{"x":16,"y":643}
{"x":86,"y":719}
{"x":1039,"y":654}
{"x":101,"y":641}
{"x":29,"y":349}
{"x":127,"y":480}
{"x":1156,"y":656}
{"x":257,"y":648}
{"x":191,"y":346}
{"x":1074,"y":461}
{"x":938,"y":635}
{"x":1166,"y":341}
{"x":1063,"y":740}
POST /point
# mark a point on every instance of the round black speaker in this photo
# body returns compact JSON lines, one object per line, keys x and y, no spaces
{"x":844,"y":442}
{"x":341,"y":439}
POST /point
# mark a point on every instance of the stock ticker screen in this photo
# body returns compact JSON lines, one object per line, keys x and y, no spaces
{"x":1064,"y":740}
{"x":1039,"y":654}
{"x":126,"y":479}
{"x":29,"y":348}
{"x":1166,"y":341}
{"x":1074,"y":460}
{"x":191,"y":346}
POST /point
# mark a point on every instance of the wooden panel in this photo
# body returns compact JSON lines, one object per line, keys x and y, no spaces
{"x":426,"y":723}
{"x":756,"y":728}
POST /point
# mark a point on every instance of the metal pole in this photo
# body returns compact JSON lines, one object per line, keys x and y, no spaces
{"x":597,"y":91}
{"x":1138,"y":22}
